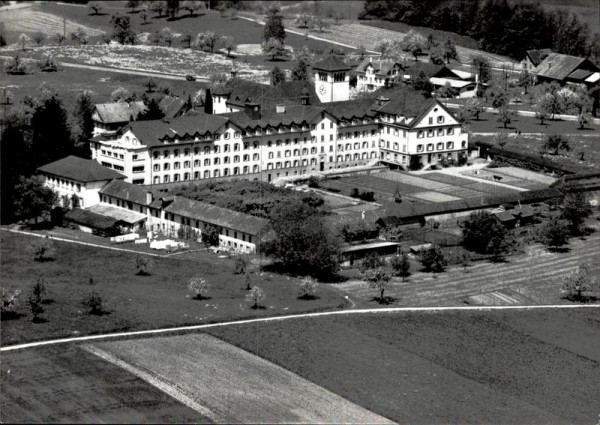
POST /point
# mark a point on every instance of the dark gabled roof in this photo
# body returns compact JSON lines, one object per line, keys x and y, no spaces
{"x":125,"y":191}
{"x":331,"y":63}
{"x":119,"y":112}
{"x":505,"y":216}
{"x":358,"y":108}
{"x":404,"y":101}
{"x":536,"y":56}
{"x":217,"y":216}
{"x":80,"y":169}
{"x":171,"y":106}
{"x":294,"y":114}
{"x":580,"y":74}
{"x":241,"y":91}
{"x":557,"y":66}
{"x":91,"y":219}
{"x":151,"y":133}
{"x":428,"y":68}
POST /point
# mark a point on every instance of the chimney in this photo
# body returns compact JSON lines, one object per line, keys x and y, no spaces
{"x":149,"y":198}
{"x":252,"y":110}
{"x":304,"y":97}
{"x":280,"y":109}
{"x":382,"y":100}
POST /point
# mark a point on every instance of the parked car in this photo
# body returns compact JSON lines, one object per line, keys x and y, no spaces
{"x":190,"y":77}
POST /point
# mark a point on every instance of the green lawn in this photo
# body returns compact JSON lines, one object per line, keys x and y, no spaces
{"x":459,"y":367}
{"x":135,"y":302}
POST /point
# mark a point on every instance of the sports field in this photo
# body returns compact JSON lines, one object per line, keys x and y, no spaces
{"x":514,"y":176}
{"x":429,"y":187}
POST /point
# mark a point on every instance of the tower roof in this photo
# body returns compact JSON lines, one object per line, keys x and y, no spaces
{"x":331,"y":63}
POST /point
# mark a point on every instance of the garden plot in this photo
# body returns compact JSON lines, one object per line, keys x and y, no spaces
{"x":411,"y":180}
{"x":434,"y":197}
{"x":230,"y":385}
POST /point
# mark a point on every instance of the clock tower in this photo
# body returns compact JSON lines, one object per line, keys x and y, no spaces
{"x":332,"y":82}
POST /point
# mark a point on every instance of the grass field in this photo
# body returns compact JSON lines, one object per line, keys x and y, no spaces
{"x":234,"y":385}
{"x":463,"y":367}
{"x":135,"y":302}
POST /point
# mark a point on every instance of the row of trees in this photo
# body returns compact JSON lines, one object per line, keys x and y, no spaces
{"x":499,"y":26}
{"x":40,"y":131}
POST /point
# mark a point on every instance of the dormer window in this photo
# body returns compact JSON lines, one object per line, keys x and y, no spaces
{"x":440,"y":119}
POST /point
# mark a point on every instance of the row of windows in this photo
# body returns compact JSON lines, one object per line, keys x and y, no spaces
{"x":113,"y":166}
{"x":65,"y":184}
{"x":431,"y":133}
{"x":440,"y":146}
{"x":357,"y":145}
{"x":206,"y":174}
{"x":113,"y":154}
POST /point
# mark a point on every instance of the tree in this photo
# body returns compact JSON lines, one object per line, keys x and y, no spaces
{"x":525,"y":80}
{"x":167,"y":35}
{"x":274,"y":48}
{"x":155,"y":38}
{"x":575,"y":209}
{"x":449,"y":50}
{"x":192,"y":6}
{"x":47,"y":63}
{"x":475,"y":106}
{"x":433,"y":259}
{"x":276,"y":76}
{"x":42,"y":250}
{"x":122,"y":29}
{"x":143,"y":264}
{"x":210,"y":236}
{"x":79,"y":35}
{"x":172,"y":8}
{"x":93,"y":302}
{"x":33,"y":199}
{"x":401,"y":266}
{"x":121,"y":94}
{"x":308,"y":289}
{"x":555,"y":233}
{"x":302,"y":241}
{"x":556,"y":142}
{"x":159,"y":7}
{"x":414,"y":43}
{"x":228,"y":43}
{"x":505,"y":116}
{"x":15,"y":66}
{"x":210,"y":40}
{"x":274,"y":25}
{"x":84,"y":109}
{"x":321,"y":24}
{"x":372,"y":261}
{"x":144,"y":15}
{"x":255,"y":296}
{"x":447,"y":91}
{"x":483,"y":233}
{"x":582,"y":120}
{"x":39,"y":37}
{"x":483,"y":68}
{"x":579,"y":285}
{"x":550,"y":100}
{"x":36,"y":298}
{"x":9,"y":301}
{"x":240,"y":264}
{"x":132,"y":5}
{"x":541,"y":113}
{"x":436,"y":54}
{"x":150,"y":85}
{"x":152,"y":112}
{"x":59,"y":38}
{"x":378,"y":279}
{"x":421,"y":83}
{"x":24,"y":41}
{"x":198,"y":286}
{"x":95,"y":7}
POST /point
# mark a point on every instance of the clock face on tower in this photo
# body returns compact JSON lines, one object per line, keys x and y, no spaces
{"x":322,"y":89}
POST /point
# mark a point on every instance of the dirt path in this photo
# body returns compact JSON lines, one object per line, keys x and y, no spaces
{"x":132,"y":72}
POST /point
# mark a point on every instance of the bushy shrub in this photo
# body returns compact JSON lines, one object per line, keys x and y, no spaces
{"x":255,"y":296}
{"x":240,"y":264}
{"x":143,"y":264}
{"x":308,"y":289}
{"x":199,"y":287}
{"x":42,"y":250}
{"x":10,"y":302}
{"x":93,"y":302}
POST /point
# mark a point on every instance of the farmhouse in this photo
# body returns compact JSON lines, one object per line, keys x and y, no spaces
{"x":565,"y":69}
{"x":533,"y":58}
{"x":109,"y":117}
{"x":374,"y":74}
{"x":77,"y":179}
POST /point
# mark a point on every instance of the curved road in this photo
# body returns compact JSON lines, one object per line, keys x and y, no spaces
{"x":278,"y":318}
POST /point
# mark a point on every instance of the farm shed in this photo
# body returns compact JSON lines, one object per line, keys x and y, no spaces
{"x":131,"y":221}
{"x":353,"y":254}
{"x":90,"y":222}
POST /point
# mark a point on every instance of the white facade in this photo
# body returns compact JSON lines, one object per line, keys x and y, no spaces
{"x":369,"y":80}
{"x":86,"y":192}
